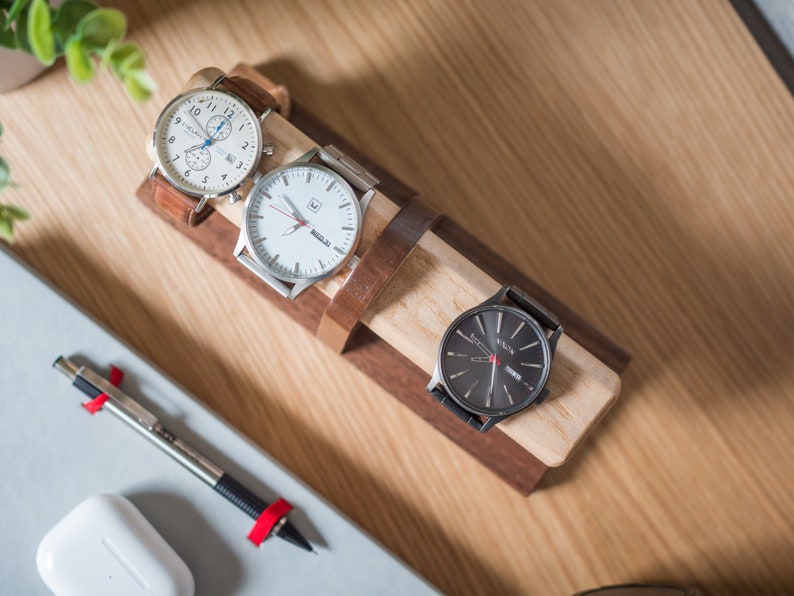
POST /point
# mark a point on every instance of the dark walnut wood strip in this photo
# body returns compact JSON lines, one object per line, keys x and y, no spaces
{"x":374,"y":270}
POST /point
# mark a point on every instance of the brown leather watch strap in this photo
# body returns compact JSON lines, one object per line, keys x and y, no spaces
{"x":374,"y":270}
{"x":255,"y":96}
{"x":175,"y":204}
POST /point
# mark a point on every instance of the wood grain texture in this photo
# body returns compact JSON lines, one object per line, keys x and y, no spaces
{"x":636,"y":161}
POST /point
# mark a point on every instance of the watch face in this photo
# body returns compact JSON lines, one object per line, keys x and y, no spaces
{"x":302,"y":222}
{"x":207,"y":142}
{"x":494,"y":360}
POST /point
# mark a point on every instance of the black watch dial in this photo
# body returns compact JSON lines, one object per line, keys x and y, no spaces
{"x":494,"y":360}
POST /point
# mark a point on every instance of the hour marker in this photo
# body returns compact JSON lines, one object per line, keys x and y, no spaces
{"x":260,"y":240}
{"x":343,"y":205}
{"x":520,"y":326}
{"x":339,"y":250}
{"x":296,"y":268}
{"x":509,"y":397}
{"x":308,"y":177}
{"x":258,"y":217}
{"x":499,"y":322}
{"x":458,"y":374}
{"x":330,"y":186}
{"x":459,"y":332}
{"x":320,"y":263}
{"x":273,"y":259}
{"x":456,"y":354}
{"x":532,"y":345}
{"x":264,"y":194}
{"x":531,"y":365}
{"x":348,"y":228}
{"x":479,"y":324}
{"x":472,"y":388}
{"x":284,"y":180}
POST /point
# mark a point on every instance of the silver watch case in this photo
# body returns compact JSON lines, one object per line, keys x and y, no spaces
{"x":245,"y":253}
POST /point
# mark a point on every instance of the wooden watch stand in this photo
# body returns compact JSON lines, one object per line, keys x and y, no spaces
{"x":590,"y":355}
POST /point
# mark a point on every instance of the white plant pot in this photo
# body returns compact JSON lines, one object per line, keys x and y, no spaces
{"x":17,"y":68}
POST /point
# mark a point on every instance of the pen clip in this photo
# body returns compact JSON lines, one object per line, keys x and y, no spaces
{"x":126,"y":405}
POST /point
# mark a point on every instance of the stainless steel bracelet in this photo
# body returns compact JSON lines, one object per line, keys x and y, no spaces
{"x":348,"y":168}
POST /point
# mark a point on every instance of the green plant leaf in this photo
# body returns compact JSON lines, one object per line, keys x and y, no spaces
{"x":67,"y":18}
{"x":7,"y":230}
{"x":21,"y":33}
{"x":16,"y":213}
{"x":126,"y":57}
{"x":42,"y":41}
{"x":15,"y":11}
{"x":78,"y":61}
{"x":5,"y":173}
{"x":139,"y":85}
{"x":8,"y":39}
{"x":101,"y":27}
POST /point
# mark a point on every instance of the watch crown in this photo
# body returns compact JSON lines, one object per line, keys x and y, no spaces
{"x":268,"y":148}
{"x":233,"y":197}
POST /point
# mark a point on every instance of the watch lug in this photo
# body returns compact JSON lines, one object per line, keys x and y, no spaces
{"x":234,"y":196}
{"x":308,"y":155}
{"x":201,"y":203}
{"x":297,"y":289}
{"x":153,"y":171}
{"x":240,"y":246}
{"x":554,"y":338}
{"x":498,"y":298}
{"x":435,"y":380}
{"x":364,"y":200}
{"x":264,"y":115}
{"x":490,"y":422}
{"x":542,"y":396}
{"x":353,"y":262}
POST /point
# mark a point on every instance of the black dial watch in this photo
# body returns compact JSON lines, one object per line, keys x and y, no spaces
{"x":495,"y":359}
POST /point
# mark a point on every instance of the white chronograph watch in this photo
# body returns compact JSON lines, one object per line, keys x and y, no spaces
{"x":208,"y":142}
{"x":302,"y":221}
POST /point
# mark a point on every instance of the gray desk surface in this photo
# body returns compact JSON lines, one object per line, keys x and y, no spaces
{"x":55,"y":455}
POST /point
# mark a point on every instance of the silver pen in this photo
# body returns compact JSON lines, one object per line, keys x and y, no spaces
{"x":147,"y":424}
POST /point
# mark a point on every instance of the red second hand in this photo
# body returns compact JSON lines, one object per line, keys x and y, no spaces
{"x":303,"y":223}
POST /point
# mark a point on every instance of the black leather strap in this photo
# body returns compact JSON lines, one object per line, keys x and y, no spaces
{"x":446,"y":401}
{"x":533,"y":308}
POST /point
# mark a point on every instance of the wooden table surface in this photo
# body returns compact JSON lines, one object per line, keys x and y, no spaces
{"x":634,"y":157}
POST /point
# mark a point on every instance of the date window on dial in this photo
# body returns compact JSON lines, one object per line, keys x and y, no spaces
{"x":512,"y":373}
{"x":314,"y":205}
{"x":230,"y":158}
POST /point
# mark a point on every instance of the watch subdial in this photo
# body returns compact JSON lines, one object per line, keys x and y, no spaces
{"x":198,"y":158}
{"x":219,"y":128}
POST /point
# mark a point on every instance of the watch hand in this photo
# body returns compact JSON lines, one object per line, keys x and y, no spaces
{"x":480,"y":345}
{"x":493,"y":378}
{"x":199,"y":127}
{"x":289,"y":231}
{"x":194,"y":147}
{"x":302,"y":223}
{"x":217,"y":130}
{"x":290,"y":207}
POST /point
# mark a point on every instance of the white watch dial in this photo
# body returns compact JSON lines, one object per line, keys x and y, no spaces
{"x":207,"y":142}
{"x":302,"y":222}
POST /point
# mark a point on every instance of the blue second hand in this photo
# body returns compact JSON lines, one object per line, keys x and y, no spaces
{"x":217,"y":129}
